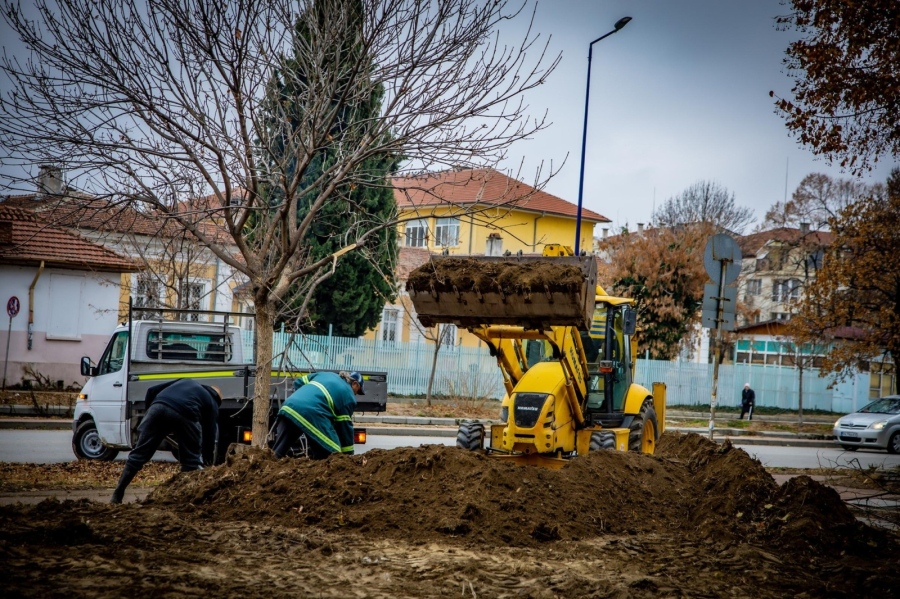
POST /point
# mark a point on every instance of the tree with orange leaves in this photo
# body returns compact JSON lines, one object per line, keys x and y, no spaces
{"x":858,"y":285}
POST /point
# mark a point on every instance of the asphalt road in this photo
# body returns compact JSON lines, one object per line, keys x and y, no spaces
{"x":46,"y":447}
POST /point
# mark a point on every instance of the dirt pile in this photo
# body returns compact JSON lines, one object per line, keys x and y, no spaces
{"x":509,"y":276}
{"x":697,"y":519}
{"x":692,"y":487}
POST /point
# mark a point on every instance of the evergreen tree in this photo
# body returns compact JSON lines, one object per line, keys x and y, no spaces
{"x":353,"y":297}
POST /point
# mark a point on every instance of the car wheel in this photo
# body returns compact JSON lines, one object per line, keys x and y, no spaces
{"x":894,"y":443}
{"x":470,"y":436}
{"x":87,"y":444}
{"x":849,"y":447}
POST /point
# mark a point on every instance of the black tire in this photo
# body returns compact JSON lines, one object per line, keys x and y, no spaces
{"x":894,"y":443}
{"x":601,"y":441}
{"x":470,"y":436}
{"x":644,"y":419}
{"x":849,"y":447}
{"x":87,"y":445}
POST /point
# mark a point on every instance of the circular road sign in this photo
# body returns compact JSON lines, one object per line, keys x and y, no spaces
{"x":721,"y":248}
{"x":12,"y":306}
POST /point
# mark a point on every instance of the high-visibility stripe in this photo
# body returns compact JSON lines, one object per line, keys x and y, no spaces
{"x":349,"y":449}
{"x":185,"y":375}
{"x":342,"y":418}
{"x":327,"y":396}
{"x":322,"y":437}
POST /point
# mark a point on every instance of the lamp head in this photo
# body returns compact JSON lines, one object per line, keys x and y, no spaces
{"x":621,"y":23}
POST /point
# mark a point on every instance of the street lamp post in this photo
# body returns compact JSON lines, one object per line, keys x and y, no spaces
{"x":587,"y":96}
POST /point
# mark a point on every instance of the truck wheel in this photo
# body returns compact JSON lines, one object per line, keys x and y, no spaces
{"x":87,"y":444}
{"x":470,"y":436}
{"x":602,"y":440}
{"x":644,"y":429}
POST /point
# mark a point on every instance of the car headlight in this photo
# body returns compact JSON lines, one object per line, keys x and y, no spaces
{"x":837,"y":423}
{"x":878,"y":425}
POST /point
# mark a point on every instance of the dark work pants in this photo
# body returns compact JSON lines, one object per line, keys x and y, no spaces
{"x":746,"y":409}
{"x":287,"y":433}
{"x":159,"y":422}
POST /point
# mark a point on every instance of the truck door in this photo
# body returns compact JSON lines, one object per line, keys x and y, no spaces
{"x":107,"y":398}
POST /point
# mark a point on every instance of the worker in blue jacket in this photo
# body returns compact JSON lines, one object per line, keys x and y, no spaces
{"x":183,"y":408}
{"x":322,"y":407}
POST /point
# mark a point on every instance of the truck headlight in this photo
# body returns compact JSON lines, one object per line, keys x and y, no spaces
{"x":877,"y":426}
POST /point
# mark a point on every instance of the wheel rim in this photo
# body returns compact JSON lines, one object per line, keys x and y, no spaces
{"x":895,"y":442}
{"x":91,"y":444}
{"x":648,"y":441}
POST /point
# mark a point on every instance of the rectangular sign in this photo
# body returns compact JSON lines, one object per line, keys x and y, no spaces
{"x":710,"y":305}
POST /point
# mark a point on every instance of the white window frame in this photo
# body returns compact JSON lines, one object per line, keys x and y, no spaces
{"x":416,"y":233}
{"x":140,"y":299}
{"x":446,"y":231}
{"x":389,"y":333}
{"x":202,"y":287}
{"x":754,"y":286}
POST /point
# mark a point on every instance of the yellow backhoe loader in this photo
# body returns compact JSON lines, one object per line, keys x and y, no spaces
{"x":565,"y":348}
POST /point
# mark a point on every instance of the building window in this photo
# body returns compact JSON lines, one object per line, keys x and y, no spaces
{"x":417,"y":233}
{"x":448,"y":335}
{"x":390,"y":320}
{"x":446,"y":233}
{"x":754,"y":287}
{"x":786,"y":291}
{"x":881,"y":379}
{"x":148,"y":293}
{"x":781,"y":316}
{"x":190,"y":296}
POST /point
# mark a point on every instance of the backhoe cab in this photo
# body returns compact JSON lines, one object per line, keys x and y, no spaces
{"x":564,"y":347}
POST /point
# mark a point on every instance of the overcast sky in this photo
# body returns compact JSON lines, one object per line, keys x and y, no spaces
{"x":681,"y":94}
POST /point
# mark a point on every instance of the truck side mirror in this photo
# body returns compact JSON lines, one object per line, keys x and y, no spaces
{"x":630,"y":321}
{"x":86,"y":368}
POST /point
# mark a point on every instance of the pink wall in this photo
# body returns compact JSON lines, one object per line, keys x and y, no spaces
{"x":57,"y":360}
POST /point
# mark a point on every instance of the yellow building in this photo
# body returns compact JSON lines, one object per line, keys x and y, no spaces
{"x":478,"y":212}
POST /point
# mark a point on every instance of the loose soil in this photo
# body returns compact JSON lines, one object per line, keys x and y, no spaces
{"x":697,"y":519}
{"x":510,"y":276}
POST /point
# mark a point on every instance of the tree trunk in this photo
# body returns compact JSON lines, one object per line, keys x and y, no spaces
{"x":265,"y":324}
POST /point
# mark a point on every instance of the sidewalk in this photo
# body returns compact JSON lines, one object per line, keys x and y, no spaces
{"x":417,"y":426}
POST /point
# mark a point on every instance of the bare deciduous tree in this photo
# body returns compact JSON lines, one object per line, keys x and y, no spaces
{"x":817,"y":198}
{"x":707,"y":203}
{"x":163,"y":101}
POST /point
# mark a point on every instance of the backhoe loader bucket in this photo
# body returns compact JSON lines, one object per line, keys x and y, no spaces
{"x":534,"y":292}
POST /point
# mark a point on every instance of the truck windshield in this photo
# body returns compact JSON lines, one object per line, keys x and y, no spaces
{"x":204,"y":347}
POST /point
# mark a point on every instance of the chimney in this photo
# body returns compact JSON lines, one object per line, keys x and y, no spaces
{"x":49,"y":180}
{"x":640,"y":228}
{"x":804,"y":228}
{"x":605,"y":232}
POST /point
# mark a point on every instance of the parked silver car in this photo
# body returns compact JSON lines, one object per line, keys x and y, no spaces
{"x":876,"y":426}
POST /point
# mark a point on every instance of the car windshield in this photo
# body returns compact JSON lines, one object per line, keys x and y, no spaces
{"x":885,"y":405}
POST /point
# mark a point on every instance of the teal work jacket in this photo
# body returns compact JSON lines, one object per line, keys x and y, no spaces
{"x":322,"y":405}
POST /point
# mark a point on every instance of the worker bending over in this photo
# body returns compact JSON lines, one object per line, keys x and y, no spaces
{"x":322,"y":407}
{"x":183,"y":408}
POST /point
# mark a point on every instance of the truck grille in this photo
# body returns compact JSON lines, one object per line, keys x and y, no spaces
{"x":527,"y":408}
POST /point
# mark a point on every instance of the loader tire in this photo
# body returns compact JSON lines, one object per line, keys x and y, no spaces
{"x":470,"y":436}
{"x":644,"y":429}
{"x":602,"y":441}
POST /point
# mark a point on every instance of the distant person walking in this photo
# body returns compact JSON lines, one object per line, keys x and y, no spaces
{"x":748,"y":400}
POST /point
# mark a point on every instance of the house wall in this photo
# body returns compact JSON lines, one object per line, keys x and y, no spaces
{"x":520,"y":230}
{"x":74,"y":313}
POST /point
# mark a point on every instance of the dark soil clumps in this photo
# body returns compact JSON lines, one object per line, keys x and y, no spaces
{"x":509,"y":276}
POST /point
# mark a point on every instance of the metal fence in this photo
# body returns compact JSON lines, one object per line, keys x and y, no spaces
{"x":472,"y":372}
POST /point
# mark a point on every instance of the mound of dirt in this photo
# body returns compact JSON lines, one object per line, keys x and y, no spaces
{"x":509,"y":276}
{"x":692,"y":487}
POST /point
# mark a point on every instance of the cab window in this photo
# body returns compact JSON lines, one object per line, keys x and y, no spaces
{"x":114,"y":357}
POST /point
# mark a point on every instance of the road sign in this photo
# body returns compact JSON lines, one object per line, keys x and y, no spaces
{"x":12,"y":306}
{"x":722,"y":248}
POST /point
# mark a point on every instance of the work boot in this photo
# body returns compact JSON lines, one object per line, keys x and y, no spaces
{"x":128,"y":475}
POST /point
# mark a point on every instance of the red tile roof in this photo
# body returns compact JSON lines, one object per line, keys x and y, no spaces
{"x":750,"y":244}
{"x":33,"y":241}
{"x":482,"y":186}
